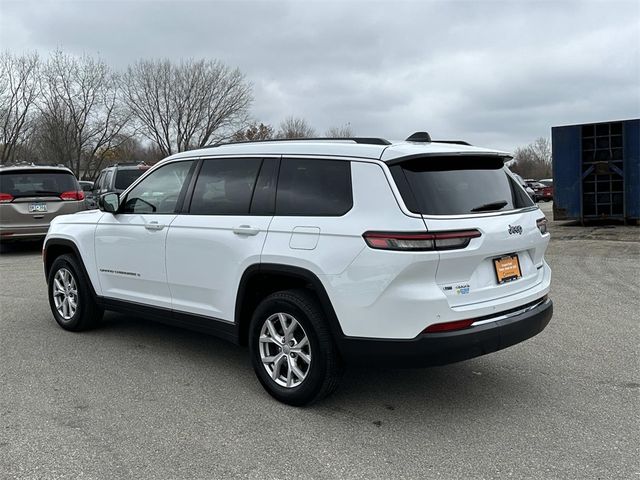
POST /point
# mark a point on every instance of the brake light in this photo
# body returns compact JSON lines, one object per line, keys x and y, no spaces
{"x":408,"y":241}
{"x":72,"y":195}
{"x":542,"y":225}
{"x":5,"y":197}
{"x":448,"y":326}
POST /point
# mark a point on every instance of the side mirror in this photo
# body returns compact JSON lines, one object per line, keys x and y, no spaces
{"x":109,"y":202}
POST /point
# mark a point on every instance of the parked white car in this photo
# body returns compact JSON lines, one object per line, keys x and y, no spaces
{"x":317,"y":254}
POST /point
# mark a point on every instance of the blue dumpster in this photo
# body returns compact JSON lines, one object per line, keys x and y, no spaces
{"x":596,"y":171}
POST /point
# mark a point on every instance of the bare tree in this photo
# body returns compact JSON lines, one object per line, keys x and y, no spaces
{"x":80,"y":114}
{"x":344,"y":131}
{"x":295,"y":127}
{"x":19,"y":89}
{"x":533,"y":160}
{"x":253,"y":132}
{"x":190,"y":105}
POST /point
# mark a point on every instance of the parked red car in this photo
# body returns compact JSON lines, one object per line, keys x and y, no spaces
{"x":542,"y":191}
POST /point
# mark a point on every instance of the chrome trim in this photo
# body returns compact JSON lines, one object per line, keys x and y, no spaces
{"x":510,"y":314}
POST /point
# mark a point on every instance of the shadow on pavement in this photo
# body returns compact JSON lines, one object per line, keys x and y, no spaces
{"x":26,"y":247}
{"x":470,"y":387}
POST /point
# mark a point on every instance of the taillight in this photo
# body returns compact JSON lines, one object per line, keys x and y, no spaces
{"x":542,"y":225}
{"x":5,"y":197}
{"x":448,"y":326}
{"x":72,"y":195}
{"x":420,"y":241}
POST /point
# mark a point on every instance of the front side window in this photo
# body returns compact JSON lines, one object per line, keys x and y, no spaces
{"x":98,"y":184}
{"x":314,"y":187}
{"x":107,"y":180}
{"x":160,"y":191}
{"x":225,"y":186}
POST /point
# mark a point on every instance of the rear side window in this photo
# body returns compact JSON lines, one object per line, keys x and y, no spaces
{"x":31,"y":183}
{"x":225,"y":186}
{"x":124,"y":178}
{"x":314,"y":187}
{"x":457,"y":185}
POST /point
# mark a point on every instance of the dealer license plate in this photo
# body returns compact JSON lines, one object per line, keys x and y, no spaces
{"x":507,"y":268}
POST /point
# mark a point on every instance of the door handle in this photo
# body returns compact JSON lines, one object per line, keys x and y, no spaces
{"x":153,"y":225}
{"x":246,"y":230}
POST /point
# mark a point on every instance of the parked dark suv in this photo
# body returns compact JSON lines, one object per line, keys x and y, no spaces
{"x":118,"y":177}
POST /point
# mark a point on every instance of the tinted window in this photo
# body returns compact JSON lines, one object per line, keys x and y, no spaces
{"x":124,"y":178}
{"x":29,"y":183}
{"x":458,"y":185}
{"x":160,"y":191}
{"x":225,"y":186}
{"x":107,"y":180}
{"x":98,"y":183}
{"x":264,"y":195}
{"x":309,"y":187}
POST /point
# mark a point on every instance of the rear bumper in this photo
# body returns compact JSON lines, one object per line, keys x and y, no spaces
{"x":23,"y":232}
{"x":449,"y":347}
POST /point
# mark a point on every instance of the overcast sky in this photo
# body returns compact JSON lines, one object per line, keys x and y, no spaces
{"x":497,"y":73}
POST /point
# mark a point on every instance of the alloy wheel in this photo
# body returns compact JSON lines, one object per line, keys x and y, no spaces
{"x":65,"y":293}
{"x":285,"y":351}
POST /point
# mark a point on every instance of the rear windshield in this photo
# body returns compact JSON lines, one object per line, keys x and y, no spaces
{"x":31,"y":183}
{"x":458,"y":185}
{"x":124,"y":178}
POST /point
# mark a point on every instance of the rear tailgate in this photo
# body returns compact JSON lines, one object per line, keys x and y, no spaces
{"x":470,"y":275}
{"x":17,"y":213}
{"x":476,"y":192}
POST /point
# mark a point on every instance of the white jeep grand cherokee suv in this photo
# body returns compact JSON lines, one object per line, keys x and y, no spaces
{"x":315,"y":253}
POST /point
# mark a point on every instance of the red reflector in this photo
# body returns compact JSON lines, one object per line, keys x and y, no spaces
{"x":448,"y":326}
{"x":5,"y":197}
{"x":72,"y":195}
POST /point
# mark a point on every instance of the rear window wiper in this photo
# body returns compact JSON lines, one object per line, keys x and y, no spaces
{"x":490,"y":206}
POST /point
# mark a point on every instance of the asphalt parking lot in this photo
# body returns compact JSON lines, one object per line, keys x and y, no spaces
{"x":134,"y":399}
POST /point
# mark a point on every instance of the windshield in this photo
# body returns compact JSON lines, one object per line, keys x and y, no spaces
{"x":124,"y":178}
{"x":458,"y":185}
{"x":32,"y":183}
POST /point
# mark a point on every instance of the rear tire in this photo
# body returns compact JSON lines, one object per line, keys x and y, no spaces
{"x":70,"y":296}
{"x":294,"y":358}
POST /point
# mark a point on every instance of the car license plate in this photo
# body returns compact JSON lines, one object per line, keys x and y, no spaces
{"x":507,"y":268}
{"x":37,"y":207}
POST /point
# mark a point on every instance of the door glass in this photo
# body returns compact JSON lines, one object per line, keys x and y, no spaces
{"x":107,"y":180}
{"x":225,"y":186}
{"x":314,"y":187}
{"x":159,"y":192}
{"x":98,"y":183}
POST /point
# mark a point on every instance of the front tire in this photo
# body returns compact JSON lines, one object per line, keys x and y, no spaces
{"x":292,"y":350}
{"x":70,"y":296}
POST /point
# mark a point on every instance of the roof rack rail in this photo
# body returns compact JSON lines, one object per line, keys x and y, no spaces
{"x":361,"y":140}
{"x":454,"y":142}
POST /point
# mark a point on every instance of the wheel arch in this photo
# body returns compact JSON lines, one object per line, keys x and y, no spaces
{"x":260,"y":280}
{"x":54,"y":247}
